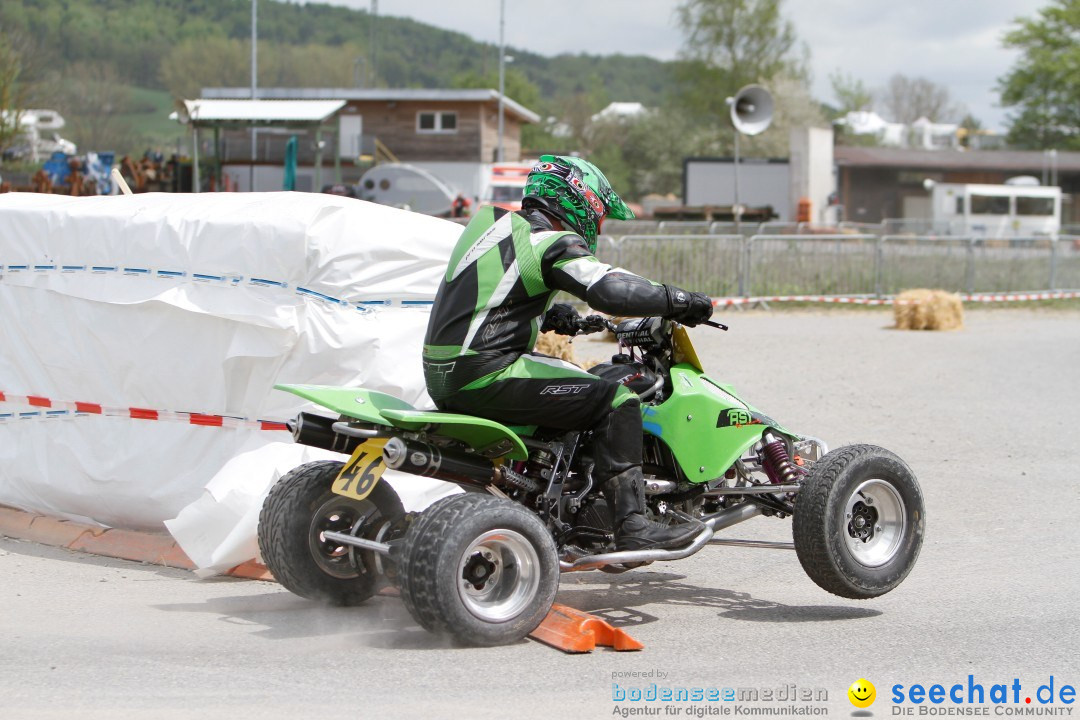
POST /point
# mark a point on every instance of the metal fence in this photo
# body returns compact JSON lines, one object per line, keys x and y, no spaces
{"x":847,"y":263}
{"x":706,"y":263}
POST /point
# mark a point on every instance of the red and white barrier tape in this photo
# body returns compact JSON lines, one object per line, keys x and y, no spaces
{"x":1013,"y":297}
{"x":850,"y":300}
{"x":59,"y":409}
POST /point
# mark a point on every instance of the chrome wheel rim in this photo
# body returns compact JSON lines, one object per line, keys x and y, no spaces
{"x":875,"y":522}
{"x":337,"y":514}
{"x":498,"y":575}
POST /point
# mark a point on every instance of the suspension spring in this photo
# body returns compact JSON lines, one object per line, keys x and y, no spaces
{"x":778,"y":463}
{"x":518,"y":480}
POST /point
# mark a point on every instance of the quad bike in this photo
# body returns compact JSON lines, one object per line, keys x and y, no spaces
{"x":484,"y":565}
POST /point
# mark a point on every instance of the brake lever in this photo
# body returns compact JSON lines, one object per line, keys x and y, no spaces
{"x":718,"y":326}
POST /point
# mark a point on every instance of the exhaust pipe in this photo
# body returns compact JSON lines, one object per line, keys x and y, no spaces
{"x":419,"y":458}
{"x":712,"y":523}
{"x":319,"y":431}
{"x":592,"y":562}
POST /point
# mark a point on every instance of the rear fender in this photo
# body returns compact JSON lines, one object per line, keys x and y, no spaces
{"x":357,"y":403}
{"x":486,"y":437}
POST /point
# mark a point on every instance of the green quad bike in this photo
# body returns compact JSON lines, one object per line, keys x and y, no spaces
{"x":484,"y":565}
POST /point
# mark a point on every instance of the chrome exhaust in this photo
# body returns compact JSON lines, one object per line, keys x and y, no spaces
{"x":712,"y":523}
{"x":731,"y":516}
{"x":753,"y":543}
{"x":592,"y":562}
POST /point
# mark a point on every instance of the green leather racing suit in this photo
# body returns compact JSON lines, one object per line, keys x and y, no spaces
{"x":502,"y":277}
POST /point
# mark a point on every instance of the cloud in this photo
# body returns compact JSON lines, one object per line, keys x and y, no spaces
{"x":956,"y":43}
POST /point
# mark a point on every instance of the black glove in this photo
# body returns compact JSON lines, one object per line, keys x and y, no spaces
{"x":561,"y":319}
{"x":689,"y":308}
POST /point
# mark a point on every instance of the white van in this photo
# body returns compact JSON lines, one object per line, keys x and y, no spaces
{"x":997,"y":211}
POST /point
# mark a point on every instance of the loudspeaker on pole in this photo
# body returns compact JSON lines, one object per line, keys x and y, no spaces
{"x":751,"y":109}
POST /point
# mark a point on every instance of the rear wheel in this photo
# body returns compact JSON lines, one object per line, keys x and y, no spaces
{"x":859,"y":521}
{"x":480,"y":568}
{"x":296,"y":513}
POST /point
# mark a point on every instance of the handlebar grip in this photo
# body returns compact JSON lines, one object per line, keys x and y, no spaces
{"x":594,"y":323}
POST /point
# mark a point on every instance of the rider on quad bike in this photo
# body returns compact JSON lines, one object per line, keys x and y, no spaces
{"x":502,"y":277}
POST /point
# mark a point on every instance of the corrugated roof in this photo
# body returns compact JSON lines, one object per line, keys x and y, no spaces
{"x":205,"y":111}
{"x":377,"y":95}
{"x":1009,"y":160}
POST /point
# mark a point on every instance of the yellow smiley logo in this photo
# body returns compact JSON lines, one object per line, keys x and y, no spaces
{"x":862,"y":693}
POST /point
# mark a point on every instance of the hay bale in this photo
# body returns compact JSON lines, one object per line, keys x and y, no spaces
{"x":555,"y":345}
{"x":923,"y":309}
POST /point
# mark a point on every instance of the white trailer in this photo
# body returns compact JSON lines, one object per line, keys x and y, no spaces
{"x":38,"y":134}
{"x":996,"y":211}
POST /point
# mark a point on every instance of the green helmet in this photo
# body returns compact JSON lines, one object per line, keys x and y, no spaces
{"x":576,"y":192}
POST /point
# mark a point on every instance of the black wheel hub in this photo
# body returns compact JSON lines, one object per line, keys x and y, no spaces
{"x":334,"y":558}
{"x":340,"y":522}
{"x":478,"y":571}
{"x":862,"y":521}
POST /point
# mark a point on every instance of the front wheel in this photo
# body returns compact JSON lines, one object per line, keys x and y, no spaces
{"x":859,"y":521}
{"x":481,"y":568}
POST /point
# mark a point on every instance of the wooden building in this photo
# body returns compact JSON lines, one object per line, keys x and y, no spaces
{"x":453,"y":133}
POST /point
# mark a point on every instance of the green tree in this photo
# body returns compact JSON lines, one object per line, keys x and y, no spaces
{"x":12,"y":90}
{"x":731,"y":43}
{"x":517,"y":84}
{"x":1044,"y":84}
{"x":906,"y":99}
{"x":970,"y":128}
{"x":850,"y":92}
{"x":197,"y":63}
{"x":92,"y":99}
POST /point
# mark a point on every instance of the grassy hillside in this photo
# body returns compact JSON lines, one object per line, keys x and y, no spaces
{"x":150,"y":51}
{"x":149,"y":117}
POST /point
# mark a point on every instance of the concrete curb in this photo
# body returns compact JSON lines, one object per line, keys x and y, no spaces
{"x":151,"y":548}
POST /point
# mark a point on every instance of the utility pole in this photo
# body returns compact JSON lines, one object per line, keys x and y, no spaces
{"x":499,"y":156}
{"x":372,"y":42}
{"x":254,"y":84}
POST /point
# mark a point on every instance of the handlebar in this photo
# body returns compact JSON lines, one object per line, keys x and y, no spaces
{"x":598,"y":323}
{"x":590,"y":324}
{"x":593,"y":324}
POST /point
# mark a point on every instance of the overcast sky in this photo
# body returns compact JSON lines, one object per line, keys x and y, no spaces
{"x":954,"y":42}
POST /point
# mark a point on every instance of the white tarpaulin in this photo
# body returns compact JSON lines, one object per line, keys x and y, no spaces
{"x":158,"y":305}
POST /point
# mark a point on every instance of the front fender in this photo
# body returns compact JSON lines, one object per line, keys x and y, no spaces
{"x":705,"y":424}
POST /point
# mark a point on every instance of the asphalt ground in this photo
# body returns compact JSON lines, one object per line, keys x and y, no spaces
{"x":986,"y":416}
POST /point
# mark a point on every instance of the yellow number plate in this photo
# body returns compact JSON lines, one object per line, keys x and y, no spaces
{"x":360,"y":475}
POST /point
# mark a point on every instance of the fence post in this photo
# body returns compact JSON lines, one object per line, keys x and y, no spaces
{"x":1053,"y":263}
{"x":969,"y":271}
{"x":744,"y":273}
{"x":879,"y":259}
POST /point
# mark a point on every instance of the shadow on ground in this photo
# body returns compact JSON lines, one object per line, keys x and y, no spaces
{"x":616,"y":598}
{"x":383,"y":621}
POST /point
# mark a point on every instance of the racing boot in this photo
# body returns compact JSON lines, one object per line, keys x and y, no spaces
{"x":625,"y":494}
